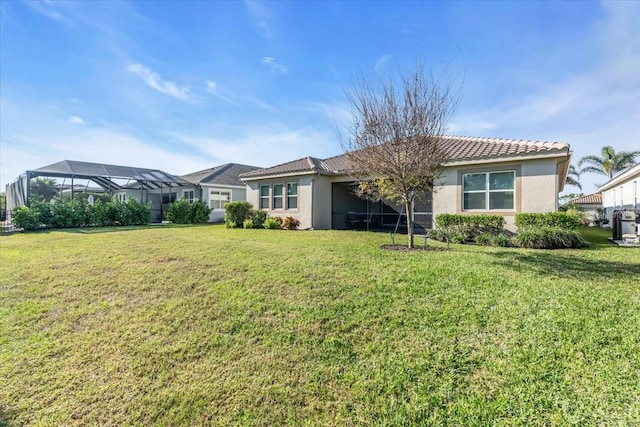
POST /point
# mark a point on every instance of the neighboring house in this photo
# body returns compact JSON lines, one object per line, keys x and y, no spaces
{"x":589,"y":205}
{"x":621,"y":192}
{"x":483,"y":176}
{"x":146,"y":184}
{"x":217,"y":186}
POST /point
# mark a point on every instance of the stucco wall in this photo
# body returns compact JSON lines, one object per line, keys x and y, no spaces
{"x":304,"y":212}
{"x":536,"y":188}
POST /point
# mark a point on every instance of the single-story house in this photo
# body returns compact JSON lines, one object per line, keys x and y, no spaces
{"x":589,"y":205}
{"x":215,"y":186}
{"x":621,"y":192}
{"x":148,"y":184}
{"x":482,"y":176}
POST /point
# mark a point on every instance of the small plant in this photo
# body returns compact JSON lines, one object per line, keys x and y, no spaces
{"x":272,"y":223}
{"x":258,"y":218}
{"x":26,"y":218}
{"x":247,"y":223}
{"x":484,"y":239}
{"x":457,"y":238}
{"x":549,"y":238}
{"x":563,"y":220}
{"x":236,"y":212}
{"x":290,"y":223}
{"x":502,"y":240}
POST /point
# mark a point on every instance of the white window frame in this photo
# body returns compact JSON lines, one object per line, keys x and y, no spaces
{"x":488,"y":191}
{"x":262,"y":198}
{"x":220,"y":203}
{"x":190,"y":195}
{"x":294,"y":196}
{"x":274,"y":196}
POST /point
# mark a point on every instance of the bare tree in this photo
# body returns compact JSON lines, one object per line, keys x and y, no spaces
{"x":394,"y":143}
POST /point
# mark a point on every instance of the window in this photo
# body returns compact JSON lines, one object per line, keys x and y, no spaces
{"x":168,"y":198}
{"x":218,"y":198}
{"x":621,"y":197}
{"x":488,"y":191}
{"x":190,"y":195}
{"x":264,"y":197}
{"x":278,"y":196}
{"x":292,"y":195}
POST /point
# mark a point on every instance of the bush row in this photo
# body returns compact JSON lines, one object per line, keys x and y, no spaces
{"x":468,"y":227}
{"x":67,"y":214}
{"x":563,"y":220}
{"x":554,"y":230}
{"x":183,"y":212}
{"x":242,"y":214}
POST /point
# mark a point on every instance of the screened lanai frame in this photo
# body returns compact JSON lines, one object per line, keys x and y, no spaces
{"x":104,"y":175}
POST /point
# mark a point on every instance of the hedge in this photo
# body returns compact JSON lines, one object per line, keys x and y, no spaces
{"x":563,"y":220}
{"x":467,"y":227}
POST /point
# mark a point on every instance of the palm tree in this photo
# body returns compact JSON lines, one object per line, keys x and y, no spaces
{"x":610,"y":162}
{"x":573,"y":177}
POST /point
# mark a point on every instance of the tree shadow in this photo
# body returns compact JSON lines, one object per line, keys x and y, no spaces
{"x":562,"y":265}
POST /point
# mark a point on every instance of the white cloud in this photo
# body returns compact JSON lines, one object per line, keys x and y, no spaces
{"x":261,"y":16}
{"x":76,"y":120}
{"x":266,"y":146}
{"x":226,"y":95}
{"x":49,"y":9}
{"x":154,"y":80}
{"x":382,"y":63}
{"x":214,"y":89}
{"x":271,"y":63}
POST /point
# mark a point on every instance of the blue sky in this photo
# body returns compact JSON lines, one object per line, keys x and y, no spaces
{"x":182,"y":86}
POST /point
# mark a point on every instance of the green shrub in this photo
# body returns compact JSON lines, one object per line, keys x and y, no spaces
{"x":564,"y":220}
{"x":258,"y":217}
{"x":43,"y":209}
{"x":457,"y":238}
{"x":290,"y":223}
{"x":484,"y":239}
{"x":549,"y":238}
{"x":470,"y":226}
{"x":501,"y":239}
{"x":247,"y":223}
{"x":199,"y":212}
{"x":272,"y":223}
{"x":437,"y":234}
{"x":26,"y":218}
{"x":184,"y":212}
{"x":179,"y":212}
{"x":236,"y":212}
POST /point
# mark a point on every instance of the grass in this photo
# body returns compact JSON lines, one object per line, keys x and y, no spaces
{"x":204,"y":325}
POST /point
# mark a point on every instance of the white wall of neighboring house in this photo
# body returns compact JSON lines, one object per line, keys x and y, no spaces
{"x":622,"y":192}
{"x":215,"y":196}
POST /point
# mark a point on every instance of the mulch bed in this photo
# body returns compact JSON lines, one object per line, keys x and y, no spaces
{"x":405,"y":248}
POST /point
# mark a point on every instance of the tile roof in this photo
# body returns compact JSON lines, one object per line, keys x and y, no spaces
{"x":459,"y":148}
{"x":595,"y":198}
{"x":226,"y":174}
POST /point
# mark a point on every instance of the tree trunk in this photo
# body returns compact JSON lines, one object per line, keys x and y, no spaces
{"x":409,"y":205}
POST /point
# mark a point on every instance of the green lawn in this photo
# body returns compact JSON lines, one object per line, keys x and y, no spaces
{"x":204,"y":325}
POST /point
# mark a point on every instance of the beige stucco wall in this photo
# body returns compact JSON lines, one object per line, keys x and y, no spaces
{"x":536,"y":188}
{"x":304,"y":212}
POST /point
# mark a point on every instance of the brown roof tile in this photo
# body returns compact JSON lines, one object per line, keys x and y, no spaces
{"x":459,"y":148}
{"x":595,"y":198}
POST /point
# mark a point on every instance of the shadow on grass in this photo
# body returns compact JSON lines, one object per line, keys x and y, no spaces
{"x":115,"y":228}
{"x":567,"y":265}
